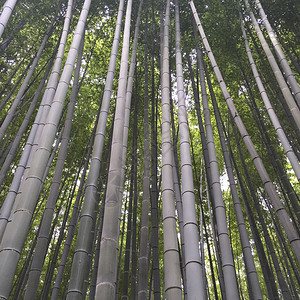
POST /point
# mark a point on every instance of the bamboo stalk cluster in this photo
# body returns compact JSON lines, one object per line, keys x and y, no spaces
{"x":107,"y":196}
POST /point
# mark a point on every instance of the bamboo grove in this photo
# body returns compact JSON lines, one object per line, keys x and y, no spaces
{"x":150,"y":149}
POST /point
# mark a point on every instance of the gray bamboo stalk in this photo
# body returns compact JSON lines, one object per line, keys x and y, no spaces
{"x":178,"y":200}
{"x":10,"y":249}
{"x":107,"y":271}
{"x":133,"y":293}
{"x":43,"y":238}
{"x":270,"y":189}
{"x":19,"y":96}
{"x":102,"y":182}
{"x":179,"y":209}
{"x":38,"y":124}
{"x":277,"y":72}
{"x":155,"y":274}
{"x":143,"y":255}
{"x":125,"y":139}
{"x":192,"y":261}
{"x":216,"y":248}
{"x":7,"y":10}
{"x":279,"y":130}
{"x":231,"y":288}
{"x":281,"y":57}
{"x":129,"y":236}
{"x":96,"y":256}
{"x":128,"y":247}
{"x":129,"y":94}
{"x":121,"y":246}
{"x":172,"y":276}
{"x":175,"y":163}
{"x":254,"y":291}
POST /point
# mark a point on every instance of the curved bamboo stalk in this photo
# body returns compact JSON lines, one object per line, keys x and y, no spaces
{"x":289,"y":227}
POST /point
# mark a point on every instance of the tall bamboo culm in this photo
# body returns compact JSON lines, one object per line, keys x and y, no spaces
{"x":172,"y":276}
{"x":107,"y":271}
{"x":192,"y":261}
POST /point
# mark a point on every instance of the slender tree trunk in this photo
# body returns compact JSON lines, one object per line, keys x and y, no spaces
{"x":128,"y":247}
{"x":155,"y":271}
{"x":143,"y":255}
{"x":133,"y":293}
{"x":107,"y":272}
{"x":192,"y":262}
{"x":88,"y":212}
{"x":172,"y":278}
{"x":231,"y":288}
